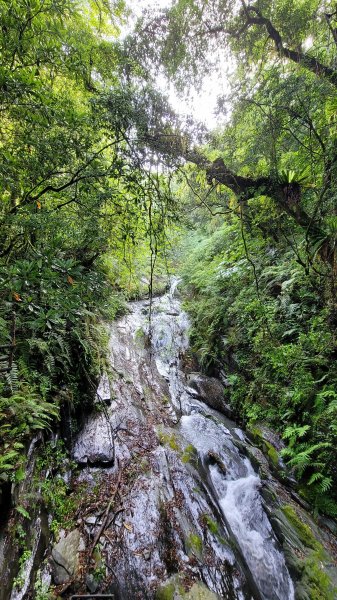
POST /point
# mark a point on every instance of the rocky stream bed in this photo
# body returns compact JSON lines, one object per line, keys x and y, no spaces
{"x":172,"y":499}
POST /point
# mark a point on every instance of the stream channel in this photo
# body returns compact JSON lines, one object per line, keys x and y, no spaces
{"x":171,"y":500}
{"x":194,"y":515}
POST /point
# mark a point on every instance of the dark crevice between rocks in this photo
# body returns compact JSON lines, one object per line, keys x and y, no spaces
{"x":168,"y":549}
{"x":99,"y":464}
{"x":5,"y":504}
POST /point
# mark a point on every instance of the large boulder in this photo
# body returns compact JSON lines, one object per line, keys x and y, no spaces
{"x":208,"y":389}
{"x":66,"y":557}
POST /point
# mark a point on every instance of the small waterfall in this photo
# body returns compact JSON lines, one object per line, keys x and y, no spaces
{"x":194,"y":509}
{"x":237,"y":489}
{"x":241,"y":505}
{"x":236,"y":484}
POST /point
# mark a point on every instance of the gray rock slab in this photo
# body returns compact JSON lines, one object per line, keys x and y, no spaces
{"x":65,"y":557}
{"x":209,"y":389}
{"x":94,"y":444}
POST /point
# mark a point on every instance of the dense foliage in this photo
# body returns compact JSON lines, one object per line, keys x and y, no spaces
{"x":76,"y":200}
{"x":262,"y":321}
{"x":86,"y":203}
{"x":260,"y":269}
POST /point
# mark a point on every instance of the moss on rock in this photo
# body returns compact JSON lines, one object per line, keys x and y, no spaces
{"x":302,"y":529}
{"x":173,"y":589}
{"x":211,"y":525}
{"x":167,"y":591}
{"x":194,"y":544}
{"x":309,"y":563}
{"x":189,"y":454}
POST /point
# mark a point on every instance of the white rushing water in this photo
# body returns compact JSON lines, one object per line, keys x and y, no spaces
{"x":234,"y":480}
{"x":144,"y":353}
{"x":237,"y":488}
{"x":242,"y":508}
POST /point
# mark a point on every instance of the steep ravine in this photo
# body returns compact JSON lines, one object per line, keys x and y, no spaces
{"x":173,"y":500}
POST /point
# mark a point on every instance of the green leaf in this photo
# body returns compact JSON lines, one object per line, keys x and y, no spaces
{"x":22,"y":511}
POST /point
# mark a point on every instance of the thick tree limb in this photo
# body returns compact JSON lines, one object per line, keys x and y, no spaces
{"x":286,"y":195}
{"x":302,"y":58}
{"x":79,"y":175}
{"x":333,"y":30}
{"x":252,"y":17}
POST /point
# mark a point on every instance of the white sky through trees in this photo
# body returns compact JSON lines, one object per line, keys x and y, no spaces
{"x":200,"y":103}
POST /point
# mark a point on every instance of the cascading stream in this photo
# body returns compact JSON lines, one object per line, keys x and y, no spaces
{"x":234,"y":480}
{"x":237,"y":489}
{"x":190,"y":511}
{"x":168,"y":504}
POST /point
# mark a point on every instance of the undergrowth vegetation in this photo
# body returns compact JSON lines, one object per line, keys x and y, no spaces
{"x":261,"y":319}
{"x":76,"y":204}
{"x":55,"y":344}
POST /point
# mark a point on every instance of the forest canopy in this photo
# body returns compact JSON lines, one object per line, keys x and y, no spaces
{"x":97,"y":172}
{"x":260,"y":267}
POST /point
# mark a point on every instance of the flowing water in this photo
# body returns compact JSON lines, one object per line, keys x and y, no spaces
{"x":147,"y":353}
{"x":235,"y":483}
{"x":170,"y":506}
{"x":164,"y":513}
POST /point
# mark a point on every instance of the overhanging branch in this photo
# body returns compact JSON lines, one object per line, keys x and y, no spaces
{"x":255,"y":17}
{"x":286,"y":195}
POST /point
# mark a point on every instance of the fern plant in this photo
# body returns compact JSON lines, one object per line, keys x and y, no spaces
{"x":21,"y":415}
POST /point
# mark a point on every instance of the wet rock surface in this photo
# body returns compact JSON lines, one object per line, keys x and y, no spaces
{"x":208,"y":389}
{"x":157,"y":515}
{"x":95,"y":445}
{"x":65,"y":556}
{"x":177,"y":502}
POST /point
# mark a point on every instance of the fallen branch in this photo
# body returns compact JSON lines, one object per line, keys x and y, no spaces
{"x":106,"y":514}
{"x":114,"y":516}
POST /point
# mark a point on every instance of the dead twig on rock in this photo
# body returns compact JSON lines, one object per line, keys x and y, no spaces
{"x":106,"y":514}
